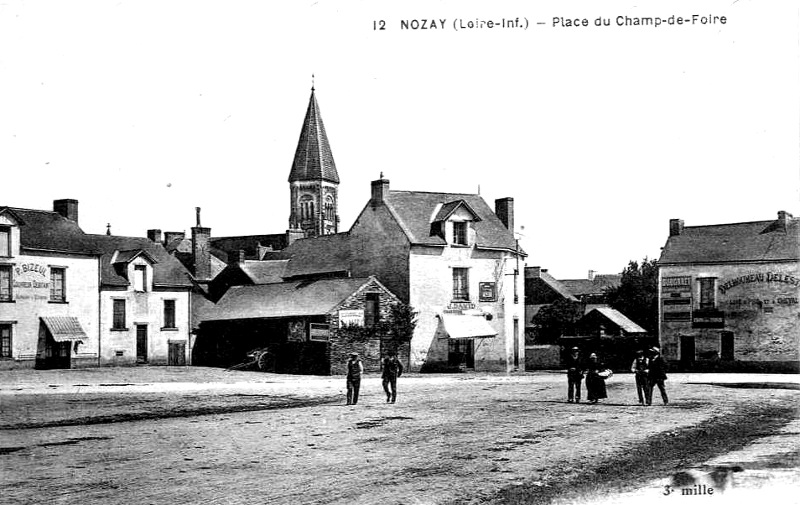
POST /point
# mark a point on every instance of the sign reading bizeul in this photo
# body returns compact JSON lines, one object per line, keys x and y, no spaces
{"x":770,"y":277}
{"x":31,"y":276}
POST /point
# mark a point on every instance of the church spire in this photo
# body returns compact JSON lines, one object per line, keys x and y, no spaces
{"x":313,"y":159}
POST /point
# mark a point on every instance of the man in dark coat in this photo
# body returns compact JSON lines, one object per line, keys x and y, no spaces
{"x":354,"y":370}
{"x":392,"y":369}
{"x":656,"y":376}
{"x":640,"y":371}
{"x":574,"y":376}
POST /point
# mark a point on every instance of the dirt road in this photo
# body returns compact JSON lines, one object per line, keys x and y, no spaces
{"x":450,"y":439}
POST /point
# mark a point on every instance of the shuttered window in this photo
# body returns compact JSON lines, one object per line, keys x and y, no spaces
{"x":119,"y":315}
{"x":169,"y":313}
{"x":461,"y":284}
{"x":5,"y":283}
{"x":58,"y":291}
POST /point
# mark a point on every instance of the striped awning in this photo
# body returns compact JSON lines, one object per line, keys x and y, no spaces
{"x":64,"y":328}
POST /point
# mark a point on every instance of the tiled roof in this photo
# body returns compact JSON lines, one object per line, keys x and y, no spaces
{"x":619,"y":319}
{"x":47,"y":230}
{"x":413,"y":210}
{"x":167,"y":271}
{"x":755,"y":241}
{"x":557,"y":286}
{"x":253,"y":246}
{"x":64,"y":328}
{"x":264,"y":272}
{"x":325,"y":254}
{"x":287,"y":299}
{"x":313,"y":159}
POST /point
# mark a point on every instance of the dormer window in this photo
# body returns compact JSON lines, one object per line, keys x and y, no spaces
{"x":140,"y":278}
{"x":460,"y":232}
{"x":5,"y":241}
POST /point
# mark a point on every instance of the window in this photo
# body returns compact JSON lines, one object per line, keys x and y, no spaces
{"x":5,"y":340}
{"x":306,"y":207}
{"x":5,"y":283}
{"x":119,"y":315}
{"x":330,"y":215}
{"x":169,"y":313}
{"x":707,"y":292}
{"x":5,"y":241}
{"x":461,"y":284}
{"x":58,"y":291}
{"x":460,"y":232}
{"x":139,"y":278}
{"x":372,"y":313}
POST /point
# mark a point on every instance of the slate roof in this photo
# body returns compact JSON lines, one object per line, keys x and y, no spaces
{"x":167,"y":271}
{"x":413,"y":211}
{"x":264,"y":272}
{"x":619,"y":319}
{"x":557,"y":286}
{"x":47,"y":230}
{"x":737,"y":242}
{"x":325,"y":254}
{"x":287,"y":299}
{"x":313,"y":159}
{"x":252,"y":245}
{"x":597,"y":286}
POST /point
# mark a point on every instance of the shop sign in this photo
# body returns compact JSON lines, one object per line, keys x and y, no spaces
{"x":352,"y":317}
{"x":677,"y":284}
{"x":708,"y":318}
{"x":318,"y":332}
{"x":487,"y":291}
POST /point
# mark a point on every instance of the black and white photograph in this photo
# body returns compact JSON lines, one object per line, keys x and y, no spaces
{"x":399,"y":252}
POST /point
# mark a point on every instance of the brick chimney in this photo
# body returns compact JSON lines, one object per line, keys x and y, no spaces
{"x":67,"y":207}
{"x":380,"y":190}
{"x":784,"y":218}
{"x":154,"y":235}
{"x":201,"y":256}
{"x":292,"y":235}
{"x":504,"y":208}
{"x":592,"y":274}
{"x":675,"y":227}
{"x":169,"y":236}
{"x":533,"y":272}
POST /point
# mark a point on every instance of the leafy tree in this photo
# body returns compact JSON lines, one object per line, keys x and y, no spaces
{"x":637,"y":294}
{"x":557,"y":319}
{"x":398,"y":327}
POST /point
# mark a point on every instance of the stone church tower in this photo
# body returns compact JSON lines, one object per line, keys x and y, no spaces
{"x":313,"y":181}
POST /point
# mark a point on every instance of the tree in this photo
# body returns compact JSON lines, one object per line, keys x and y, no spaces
{"x":557,"y":319}
{"x":637,"y":294}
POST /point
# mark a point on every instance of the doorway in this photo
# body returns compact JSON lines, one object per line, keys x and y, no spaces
{"x":687,"y":351}
{"x":515,"y":336}
{"x":461,"y":353}
{"x":141,"y":343}
{"x":176,"y":354}
{"x":726,"y":346}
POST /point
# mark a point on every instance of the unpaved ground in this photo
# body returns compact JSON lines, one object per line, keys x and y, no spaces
{"x":450,"y":439}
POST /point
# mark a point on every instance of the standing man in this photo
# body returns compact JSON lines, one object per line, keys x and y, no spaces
{"x":656,"y":376}
{"x":392,"y":369}
{"x":639,"y":368}
{"x":354,"y":370}
{"x":574,"y":376}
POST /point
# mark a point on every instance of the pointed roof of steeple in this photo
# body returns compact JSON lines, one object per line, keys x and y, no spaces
{"x":313,"y":159}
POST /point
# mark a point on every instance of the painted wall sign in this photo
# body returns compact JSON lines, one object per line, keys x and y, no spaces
{"x":680,"y":284}
{"x":351,"y":317}
{"x":487,"y":291}
{"x":758,"y":277}
{"x":318,"y":332}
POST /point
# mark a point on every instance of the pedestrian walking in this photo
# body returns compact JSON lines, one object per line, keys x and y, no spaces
{"x":639,"y":368}
{"x":596,"y":375}
{"x":392,"y":369}
{"x":656,"y":376}
{"x":574,"y":376}
{"x":354,"y":370}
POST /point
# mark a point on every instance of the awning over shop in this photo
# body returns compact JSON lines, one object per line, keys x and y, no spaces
{"x":467,"y":326}
{"x":64,"y":328}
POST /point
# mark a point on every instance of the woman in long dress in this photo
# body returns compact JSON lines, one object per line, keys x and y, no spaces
{"x":595,"y":384}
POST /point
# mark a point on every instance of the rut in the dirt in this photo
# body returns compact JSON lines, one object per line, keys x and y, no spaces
{"x":655,"y":457}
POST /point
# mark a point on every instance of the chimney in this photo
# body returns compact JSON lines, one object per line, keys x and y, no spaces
{"x":591,"y":275}
{"x":201,"y":256}
{"x":675,"y":227}
{"x":784,"y":218}
{"x":169,"y":236}
{"x":380,"y":190}
{"x":533,"y":272}
{"x":154,"y":235}
{"x":292,"y":235}
{"x":504,"y":208}
{"x":67,"y":207}
{"x":238,"y":257}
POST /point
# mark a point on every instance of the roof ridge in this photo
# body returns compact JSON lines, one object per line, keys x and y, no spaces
{"x":431,"y":192}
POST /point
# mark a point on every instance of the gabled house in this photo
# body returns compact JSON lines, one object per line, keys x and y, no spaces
{"x":449,"y":256}
{"x":728,"y":295}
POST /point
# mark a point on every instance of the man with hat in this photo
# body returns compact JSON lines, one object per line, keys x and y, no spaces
{"x":392,"y":369}
{"x":639,"y":368}
{"x":656,"y":376}
{"x":574,"y":376}
{"x":354,"y":370}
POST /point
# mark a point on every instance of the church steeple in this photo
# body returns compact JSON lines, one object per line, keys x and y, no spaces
{"x":314,"y":181}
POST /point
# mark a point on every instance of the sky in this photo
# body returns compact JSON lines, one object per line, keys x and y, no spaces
{"x":143,"y":110}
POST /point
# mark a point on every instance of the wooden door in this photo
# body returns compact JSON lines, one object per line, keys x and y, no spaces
{"x":141,"y":343}
{"x":687,"y":350}
{"x":177,"y":354}
{"x":726,"y":345}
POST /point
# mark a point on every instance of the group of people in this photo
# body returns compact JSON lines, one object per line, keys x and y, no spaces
{"x":392,"y":369}
{"x":650,"y":371}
